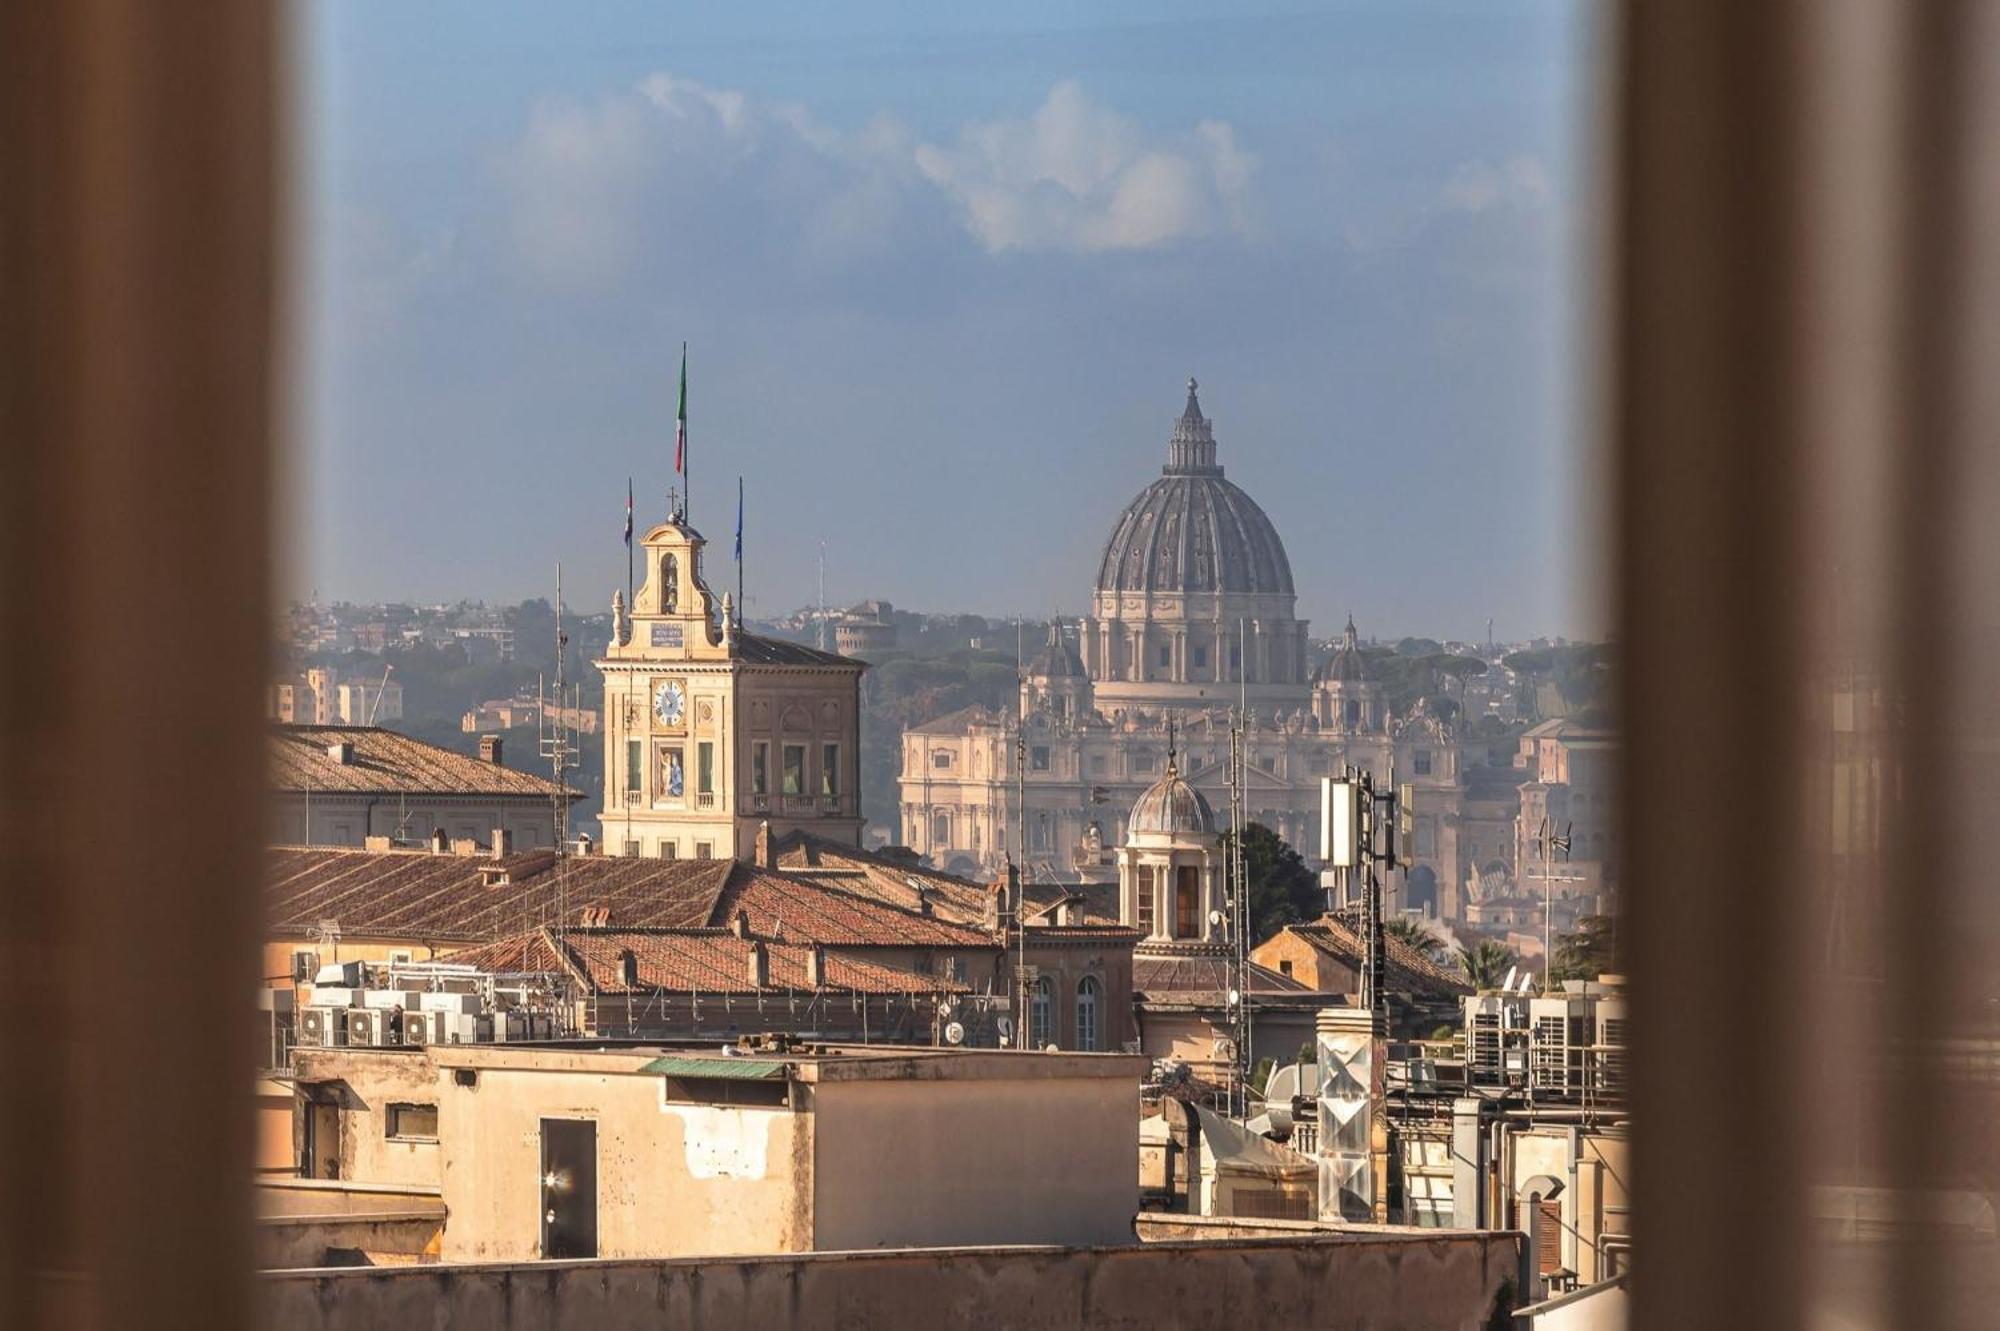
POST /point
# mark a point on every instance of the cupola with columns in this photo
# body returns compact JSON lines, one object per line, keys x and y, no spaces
{"x":1169,"y":869}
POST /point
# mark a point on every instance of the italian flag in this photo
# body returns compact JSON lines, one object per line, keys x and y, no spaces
{"x":681,"y":421}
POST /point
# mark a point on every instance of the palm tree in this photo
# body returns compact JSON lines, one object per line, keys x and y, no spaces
{"x":1416,"y":935}
{"x":1486,"y":963}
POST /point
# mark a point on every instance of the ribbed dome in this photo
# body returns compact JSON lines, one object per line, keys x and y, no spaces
{"x":1169,"y":807}
{"x":1191,"y":530}
{"x":1058,"y":660}
{"x":1347,"y":665}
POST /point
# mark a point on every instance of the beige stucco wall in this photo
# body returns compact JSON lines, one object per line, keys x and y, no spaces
{"x":1025,"y":1160}
{"x":1339,"y":1282}
{"x":671,"y":1179}
{"x":362,"y":1088}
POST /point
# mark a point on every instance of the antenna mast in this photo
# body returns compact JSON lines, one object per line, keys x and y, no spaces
{"x":559,"y":747}
{"x":822,"y":594}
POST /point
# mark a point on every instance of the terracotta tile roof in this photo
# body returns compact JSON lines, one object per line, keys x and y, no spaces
{"x":885,"y":878}
{"x":706,"y":961}
{"x":386,"y":762}
{"x":1101,"y":933}
{"x":1097,"y":901}
{"x":416,"y":894}
{"x":806,"y":908}
{"x":1407,"y":970}
{"x":1183,"y":976}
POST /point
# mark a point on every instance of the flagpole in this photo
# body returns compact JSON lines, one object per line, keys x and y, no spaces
{"x":739,"y":552}
{"x":687,"y":463}
{"x":631,"y":596}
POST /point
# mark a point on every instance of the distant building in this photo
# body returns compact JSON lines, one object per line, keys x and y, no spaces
{"x":343,"y":785}
{"x":1327,"y":955}
{"x":865,"y":628}
{"x":1193,"y":610}
{"x":606,"y":1153}
{"x":368,"y":702}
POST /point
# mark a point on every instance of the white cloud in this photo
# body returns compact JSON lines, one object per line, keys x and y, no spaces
{"x":591,"y":188}
{"x":1519,"y":182}
{"x":1076,"y":176}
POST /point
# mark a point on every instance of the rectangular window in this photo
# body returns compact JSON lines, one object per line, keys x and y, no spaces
{"x":760,"y":768}
{"x":1423,"y":758}
{"x":412,"y":1122}
{"x":1142,"y":909}
{"x":632,"y":850}
{"x":305,"y":965}
{"x":1097,"y":764}
{"x":704,"y":850}
{"x":940,"y":759}
{"x":668,"y":850}
{"x":1142,"y":762}
{"x":829,"y":769}
{"x":1200,"y":657}
{"x":1039,"y":757}
{"x":635,"y":765}
{"x":795,"y":769}
{"x":704,"y":768}
{"x":1166,"y":656}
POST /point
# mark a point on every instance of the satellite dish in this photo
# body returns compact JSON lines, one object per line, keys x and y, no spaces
{"x":1216,"y":917}
{"x":1005,"y":1025}
{"x":1507,"y":985}
{"x":954,"y":1033}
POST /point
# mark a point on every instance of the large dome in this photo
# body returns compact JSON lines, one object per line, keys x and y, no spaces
{"x":1191,"y":530}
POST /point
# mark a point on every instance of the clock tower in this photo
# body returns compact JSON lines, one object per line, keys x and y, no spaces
{"x":710,"y":730}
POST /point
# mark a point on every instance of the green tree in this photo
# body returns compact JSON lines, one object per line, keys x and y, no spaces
{"x":1589,"y":952}
{"x":1486,"y":963}
{"x":1283,"y":889}
{"x":1415,"y":934}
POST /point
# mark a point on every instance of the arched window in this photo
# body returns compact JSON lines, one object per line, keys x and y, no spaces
{"x":941,"y":829}
{"x":1086,"y":1014}
{"x":1187,"y":901}
{"x":670,"y":584}
{"x":1041,"y":1013}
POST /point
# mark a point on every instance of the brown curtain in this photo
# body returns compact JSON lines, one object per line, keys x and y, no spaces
{"x":137,"y":225}
{"x":1806,"y":429}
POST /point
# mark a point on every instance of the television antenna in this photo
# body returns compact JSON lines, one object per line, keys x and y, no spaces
{"x":1548,"y":844}
{"x":558,"y":746}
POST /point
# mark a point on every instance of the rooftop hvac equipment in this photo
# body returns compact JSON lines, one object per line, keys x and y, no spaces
{"x":275,"y":1000}
{"x":510,"y":1026}
{"x":344,"y":973}
{"x":332,"y":996}
{"x":413,"y":1028}
{"x":449,"y":1002}
{"x":323,"y":1026}
{"x":458,"y":1027}
{"x":366,"y":1027}
{"x":954,"y":1033}
{"x":408,"y":999}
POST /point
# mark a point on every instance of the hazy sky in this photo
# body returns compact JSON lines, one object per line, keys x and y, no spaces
{"x":944,"y":270}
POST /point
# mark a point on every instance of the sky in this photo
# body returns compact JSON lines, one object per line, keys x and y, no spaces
{"x":943,"y":272}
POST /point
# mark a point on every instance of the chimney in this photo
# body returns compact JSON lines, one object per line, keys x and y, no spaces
{"x":766,"y":857}
{"x":503,"y":843}
{"x":342,"y":752}
{"x":489,"y":750}
{"x":760,"y":966}
{"x":628,"y":968}
{"x":816,"y":966}
{"x":739,"y":924}
{"x":923,"y":902}
{"x":439,"y":843}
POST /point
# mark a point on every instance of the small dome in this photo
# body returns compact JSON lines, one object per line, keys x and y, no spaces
{"x":1347,"y":665}
{"x":1172,"y":807}
{"x":1058,"y":660}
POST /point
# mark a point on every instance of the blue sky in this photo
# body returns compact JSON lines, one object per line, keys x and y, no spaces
{"x":945,"y":270}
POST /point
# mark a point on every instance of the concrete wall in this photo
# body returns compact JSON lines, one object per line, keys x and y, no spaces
{"x":308,"y":1222}
{"x":1343,"y":1282}
{"x":1033,"y":1159}
{"x":355,"y":1143}
{"x":671,"y":1178}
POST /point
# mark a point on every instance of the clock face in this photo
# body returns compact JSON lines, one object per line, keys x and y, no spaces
{"x":670,"y":702}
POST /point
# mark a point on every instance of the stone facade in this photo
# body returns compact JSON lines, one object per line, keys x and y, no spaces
{"x":711,"y":730}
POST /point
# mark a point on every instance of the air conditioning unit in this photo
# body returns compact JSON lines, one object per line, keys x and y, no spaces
{"x":346,"y":974}
{"x":510,"y":1026}
{"x":323,"y":1026}
{"x":455,"y":1027}
{"x":454,"y":1003}
{"x":414,"y":1028}
{"x":366,"y":1027}
{"x":409,"y":999}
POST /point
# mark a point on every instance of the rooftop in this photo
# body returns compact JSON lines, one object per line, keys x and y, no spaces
{"x":306,"y":758}
{"x":420,"y":894}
